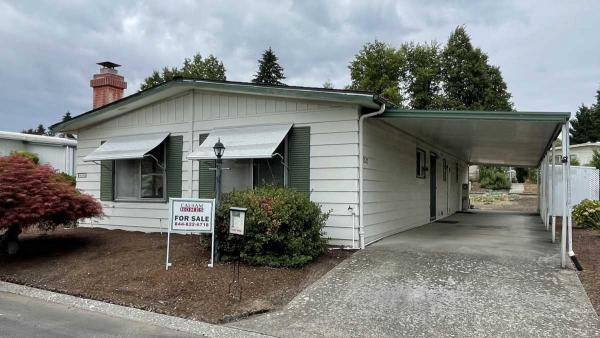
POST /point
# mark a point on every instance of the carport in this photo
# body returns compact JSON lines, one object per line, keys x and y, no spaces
{"x":519,"y":139}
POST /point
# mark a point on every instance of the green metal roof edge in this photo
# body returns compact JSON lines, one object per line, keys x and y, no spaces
{"x":478,"y":115}
{"x":345,"y":96}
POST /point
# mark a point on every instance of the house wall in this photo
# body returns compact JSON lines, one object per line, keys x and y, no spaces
{"x":333,"y":162}
{"x":395,"y":199}
{"x":60,"y":157}
{"x":584,"y":154}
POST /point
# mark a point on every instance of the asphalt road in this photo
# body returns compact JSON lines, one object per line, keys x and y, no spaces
{"x":29,"y":317}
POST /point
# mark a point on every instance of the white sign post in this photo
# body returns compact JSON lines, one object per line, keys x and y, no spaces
{"x":192,"y":215}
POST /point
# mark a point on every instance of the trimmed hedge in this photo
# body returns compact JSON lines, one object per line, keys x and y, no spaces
{"x":283,"y":228}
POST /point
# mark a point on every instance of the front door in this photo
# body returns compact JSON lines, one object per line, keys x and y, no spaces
{"x":432,"y":185}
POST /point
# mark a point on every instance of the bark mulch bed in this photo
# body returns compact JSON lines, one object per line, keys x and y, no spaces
{"x":128,"y":268}
{"x":586,"y":244}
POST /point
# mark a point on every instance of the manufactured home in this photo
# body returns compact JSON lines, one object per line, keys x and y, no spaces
{"x":379,"y":169}
{"x":58,"y":152}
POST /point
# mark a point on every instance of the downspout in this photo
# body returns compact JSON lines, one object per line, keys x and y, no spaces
{"x":570,"y":252}
{"x":361,"y":222}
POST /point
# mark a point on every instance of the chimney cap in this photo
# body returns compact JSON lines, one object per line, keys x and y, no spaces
{"x":108,"y":64}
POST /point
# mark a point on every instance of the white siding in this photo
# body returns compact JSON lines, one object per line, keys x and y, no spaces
{"x":173,"y":115}
{"x":59,"y":156}
{"x":395,"y":199}
{"x":334,"y":151}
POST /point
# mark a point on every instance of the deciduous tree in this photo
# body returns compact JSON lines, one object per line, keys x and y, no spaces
{"x":377,"y":68}
{"x":32,"y":194}
{"x":210,"y":68}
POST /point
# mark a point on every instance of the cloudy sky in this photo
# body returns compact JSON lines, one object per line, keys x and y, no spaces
{"x":548,"y":51}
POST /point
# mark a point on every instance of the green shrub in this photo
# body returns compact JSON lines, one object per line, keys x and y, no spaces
{"x":587,"y":214}
{"x":67,"y":178}
{"x":283,"y":228}
{"x":27,"y":154}
{"x":595,"y":160}
{"x":494,"y":178}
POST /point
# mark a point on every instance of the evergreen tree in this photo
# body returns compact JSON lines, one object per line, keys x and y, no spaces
{"x":269,"y":70}
{"x":209,"y":68}
{"x":377,"y":68}
{"x":328,"y":84}
{"x":468,"y":81}
{"x":586,"y":125}
{"x":595,"y":160}
{"x":67,"y":116}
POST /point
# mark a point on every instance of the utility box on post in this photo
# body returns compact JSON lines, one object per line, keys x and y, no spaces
{"x":466,"y":205}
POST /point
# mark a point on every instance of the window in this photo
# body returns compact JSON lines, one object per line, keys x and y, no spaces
{"x":421,"y":163}
{"x":138,"y":179}
{"x":446,"y":168}
{"x":270,"y":171}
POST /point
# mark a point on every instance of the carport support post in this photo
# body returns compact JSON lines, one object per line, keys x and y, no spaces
{"x":552,"y":213}
{"x":565,"y":185}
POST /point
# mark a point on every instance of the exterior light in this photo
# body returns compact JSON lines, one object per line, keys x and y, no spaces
{"x":219,"y":149}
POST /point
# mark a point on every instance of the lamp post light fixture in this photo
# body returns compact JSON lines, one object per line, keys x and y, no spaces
{"x":219,"y":149}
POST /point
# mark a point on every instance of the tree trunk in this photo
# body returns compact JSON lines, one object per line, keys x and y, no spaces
{"x":9,"y":242}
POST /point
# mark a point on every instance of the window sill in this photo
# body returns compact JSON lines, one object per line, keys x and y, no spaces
{"x":149,"y":200}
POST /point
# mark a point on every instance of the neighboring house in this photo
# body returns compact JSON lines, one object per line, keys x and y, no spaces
{"x":60,"y":153}
{"x":581,"y":152}
{"x":405,"y":170}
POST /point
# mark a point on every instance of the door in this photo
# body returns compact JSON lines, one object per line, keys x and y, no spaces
{"x":432,"y":185}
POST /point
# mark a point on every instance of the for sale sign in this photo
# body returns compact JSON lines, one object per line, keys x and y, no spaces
{"x":192,"y":214}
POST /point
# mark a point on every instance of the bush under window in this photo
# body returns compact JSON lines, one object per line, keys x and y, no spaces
{"x":283,"y":228}
{"x":587,"y":214}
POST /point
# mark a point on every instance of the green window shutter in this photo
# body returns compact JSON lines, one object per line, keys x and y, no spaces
{"x":299,"y":159}
{"x":174,"y":165}
{"x":206,"y":184}
{"x":106,"y":180}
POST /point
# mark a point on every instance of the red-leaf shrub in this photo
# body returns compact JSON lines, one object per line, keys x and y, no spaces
{"x":32,"y":194}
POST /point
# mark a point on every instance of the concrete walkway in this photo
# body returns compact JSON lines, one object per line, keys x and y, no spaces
{"x":481,"y":275}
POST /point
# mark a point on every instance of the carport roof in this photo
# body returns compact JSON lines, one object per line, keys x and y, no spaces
{"x":507,"y":138}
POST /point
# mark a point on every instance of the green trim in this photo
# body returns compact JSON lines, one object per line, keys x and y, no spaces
{"x":299,"y":159}
{"x":174,"y":159}
{"x":477,"y":115}
{"x":308,"y":93}
{"x":106,"y":180}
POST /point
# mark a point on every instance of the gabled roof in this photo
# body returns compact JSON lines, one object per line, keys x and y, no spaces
{"x":180,"y":85}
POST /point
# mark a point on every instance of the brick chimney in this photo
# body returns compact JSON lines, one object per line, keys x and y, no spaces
{"x":108,"y":85}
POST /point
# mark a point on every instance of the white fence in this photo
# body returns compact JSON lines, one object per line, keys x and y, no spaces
{"x":585,"y":183}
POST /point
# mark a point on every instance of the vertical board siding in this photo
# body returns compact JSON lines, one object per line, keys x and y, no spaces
{"x":331,"y":134}
{"x":395,"y":199}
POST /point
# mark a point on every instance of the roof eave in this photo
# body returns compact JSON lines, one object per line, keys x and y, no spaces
{"x":363,"y":99}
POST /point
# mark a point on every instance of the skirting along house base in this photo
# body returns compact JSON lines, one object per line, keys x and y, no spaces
{"x":378,"y":169}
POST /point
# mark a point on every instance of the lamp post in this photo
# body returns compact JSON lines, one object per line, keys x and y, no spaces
{"x":219,"y":150}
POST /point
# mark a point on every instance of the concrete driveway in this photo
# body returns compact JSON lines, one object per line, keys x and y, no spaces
{"x":481,"y":274}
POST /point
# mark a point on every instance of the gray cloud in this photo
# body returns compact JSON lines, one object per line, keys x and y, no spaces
{"x":549,"y":54}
